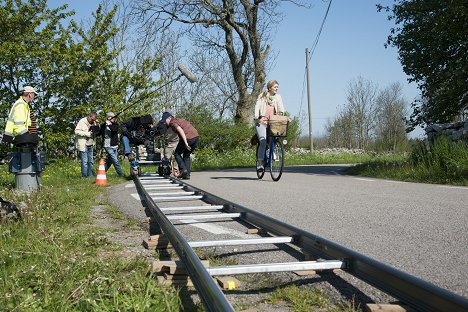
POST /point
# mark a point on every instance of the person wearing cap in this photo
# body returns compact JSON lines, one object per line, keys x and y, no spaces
{"x":21,"y":125}
{"x":110,"y":134}
{"x":188,"y":140}
{"x":85,"y":132}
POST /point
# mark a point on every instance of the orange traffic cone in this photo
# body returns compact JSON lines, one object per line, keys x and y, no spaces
{"x":101,"y":174}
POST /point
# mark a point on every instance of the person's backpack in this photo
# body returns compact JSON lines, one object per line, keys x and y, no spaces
{"x":9,"y":211}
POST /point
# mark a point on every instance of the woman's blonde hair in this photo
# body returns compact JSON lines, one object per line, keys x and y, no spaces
{"x":270,"y":84}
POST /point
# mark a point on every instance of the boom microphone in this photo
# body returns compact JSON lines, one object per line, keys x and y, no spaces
{"x":187,"y":73}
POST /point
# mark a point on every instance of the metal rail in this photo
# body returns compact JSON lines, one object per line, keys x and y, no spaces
{"x":412,"y":291}
{"x":210,"y":293}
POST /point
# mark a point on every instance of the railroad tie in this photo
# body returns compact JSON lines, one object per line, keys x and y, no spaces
{"x":374,"y":307}
{"x":157,"y":242}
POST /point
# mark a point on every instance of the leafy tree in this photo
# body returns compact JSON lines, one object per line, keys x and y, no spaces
{"x":431,"y":37}
{"x":75,"y":69}
{"x":31,"y":41}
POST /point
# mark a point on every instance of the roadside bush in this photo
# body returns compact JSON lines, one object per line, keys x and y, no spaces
{"x":444,"y":156}
{"x":222,"y":135}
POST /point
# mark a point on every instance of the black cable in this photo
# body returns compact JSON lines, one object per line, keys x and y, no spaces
{"x":320,"y":30}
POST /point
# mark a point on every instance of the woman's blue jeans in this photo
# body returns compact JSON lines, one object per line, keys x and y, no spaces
{"x":87,"y":162}
{"x":261,"y":131}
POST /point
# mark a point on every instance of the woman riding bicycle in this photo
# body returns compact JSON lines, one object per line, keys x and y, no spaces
{"x":268,"y":103}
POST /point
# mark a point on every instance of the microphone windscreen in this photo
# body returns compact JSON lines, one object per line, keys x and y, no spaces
{"x":187,"y":73}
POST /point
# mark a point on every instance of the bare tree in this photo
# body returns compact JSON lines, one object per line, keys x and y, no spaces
{"x":361,"y":100}
{"x":391,"y":117}
{"x":339,"y":133}
{"x":241,"y":29}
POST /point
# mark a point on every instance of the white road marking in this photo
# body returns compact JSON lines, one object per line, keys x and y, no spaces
{"x":362,"y":179}
{"x":454,"y":187}
{"x":391,"y":181}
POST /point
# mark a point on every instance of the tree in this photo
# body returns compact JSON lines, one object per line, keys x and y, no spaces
{"x":361,"y":101}
{"x":391,"y":113}
{"x":369,"y":116}
{"x":75,"y":69}
{"x":431,"y":37}
{"x":339,"y":131}
{"x":240,"y":29}
{"x":32,"y":38}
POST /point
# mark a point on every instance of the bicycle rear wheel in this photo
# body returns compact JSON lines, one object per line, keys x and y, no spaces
{"x":260,"y":174}
{"x":276,"y":160}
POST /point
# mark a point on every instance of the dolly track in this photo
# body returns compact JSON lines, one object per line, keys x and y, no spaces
{"x":410,"y":290}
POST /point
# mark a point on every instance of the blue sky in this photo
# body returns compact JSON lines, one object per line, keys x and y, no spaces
{"x":351,"y":45}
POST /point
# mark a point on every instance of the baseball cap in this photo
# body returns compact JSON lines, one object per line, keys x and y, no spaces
{"x":165,"y":115}
{"x":110,"y":114}
{"x":29,"y":89}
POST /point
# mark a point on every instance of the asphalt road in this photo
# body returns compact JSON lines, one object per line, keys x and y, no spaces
{"x":421,"y":229}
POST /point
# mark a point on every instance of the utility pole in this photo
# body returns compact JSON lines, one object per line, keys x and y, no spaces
{"x":309,"y":104}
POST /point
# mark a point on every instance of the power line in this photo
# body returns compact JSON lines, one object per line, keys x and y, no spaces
{"x":320,"y":30}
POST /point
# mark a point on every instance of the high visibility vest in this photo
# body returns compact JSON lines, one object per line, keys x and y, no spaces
{"x":19,"y":118}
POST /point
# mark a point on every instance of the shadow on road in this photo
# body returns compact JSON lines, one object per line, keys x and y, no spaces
{"x":305,"y":169}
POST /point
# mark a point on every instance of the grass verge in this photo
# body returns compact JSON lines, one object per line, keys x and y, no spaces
{"x":444,"y":162}
{"x":55,"y":259}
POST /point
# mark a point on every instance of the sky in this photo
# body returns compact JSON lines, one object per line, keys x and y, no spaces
{"x":351,"y":45}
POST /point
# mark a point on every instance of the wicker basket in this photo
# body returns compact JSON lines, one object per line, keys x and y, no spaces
{"x":278,"y":125}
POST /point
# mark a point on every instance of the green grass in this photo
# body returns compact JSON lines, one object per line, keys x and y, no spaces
{"x":207,"y":159}
{"x":305,"y":300}
{"x":55,"y":259}
{"x":444,"y":162}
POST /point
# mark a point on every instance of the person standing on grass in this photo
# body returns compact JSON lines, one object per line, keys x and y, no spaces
{"x":110,"y":134}
{"x":188,"y":140}
{"x":268,"y":103}
{"x":21,"y":125}
{"x":86,"y":131}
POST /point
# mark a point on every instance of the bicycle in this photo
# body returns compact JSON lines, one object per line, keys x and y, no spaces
{"x":274,"y":151}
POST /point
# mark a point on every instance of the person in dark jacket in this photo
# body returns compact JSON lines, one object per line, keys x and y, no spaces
{"x":133,"y":132}
{"x":110,"y":134}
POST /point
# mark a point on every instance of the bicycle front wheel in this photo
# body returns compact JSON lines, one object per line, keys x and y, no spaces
{"x":277,"y":160}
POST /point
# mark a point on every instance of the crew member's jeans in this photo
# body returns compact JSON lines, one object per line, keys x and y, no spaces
{"x":126,"y":144}
{"x":87,"y":163}
{"x":112,"y":159}
{"x":182,"y":154}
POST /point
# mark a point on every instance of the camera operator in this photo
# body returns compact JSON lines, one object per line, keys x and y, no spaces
{"x":137,"y":130}
{"x":86,"y":131}
{"x":110,"y":133}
